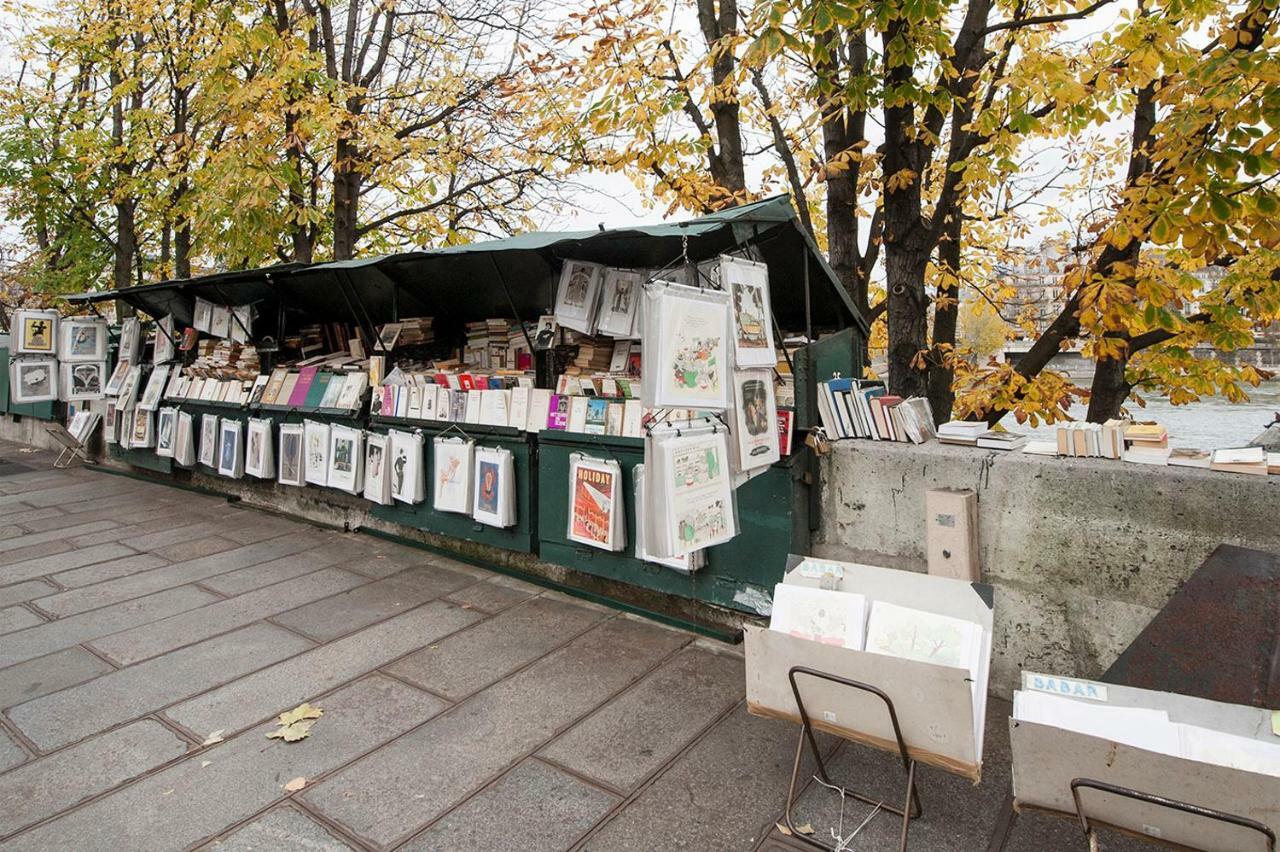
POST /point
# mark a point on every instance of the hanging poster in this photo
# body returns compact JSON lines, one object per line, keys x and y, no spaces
{"x":259,"y":460}
{"x":346,"y":459}
{"x":230,"y":449}
{"x":184,"y":447}
{"x":686,"y":563}
{"x":143,"y":434}
{"x":111,"y":423}
{"x":82,"y":340}
{"x":33,"y":380}
{"x":494,"y":492}
{"x":755,"y":420}
{"x":747,"y":283}
{"x":698,"y":498}
{"x":595,"y":503}
{"x":316,"y":450}
{"x":687,"y":331}
{"x":83,"y":381}
{"x":37,"y":332}
{"x":451,"y":474}
{"x":619,"y":299}
{"x":209,"y":440}
{"x":377,"y":484}
{"x":166,"y":341}
{"x":116,"y":382}
{"x":292,"y":455}
{"x":202,"y":315}
{"x":166,"y":432}
{"x":155,"y":388}
{"x":406,"y":468}
{"x":129,"y":387}
{"x":577,"y":295}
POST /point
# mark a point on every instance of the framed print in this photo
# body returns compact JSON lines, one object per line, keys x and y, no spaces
{"x":316,"y":465}
{"x":230,"y":449}
{"x":755,"y":420}
{"x":130,"y":348}
{"x":82,"y":339}
{"x":83,"y":381}
{"x":36,"y":332}
{"x":292,"y":457}
{"x":128,"y":393}
{"x":619,"y":298}
{"x":154,"y":390}
{"x":220,"y":322}
{"x":694,"y":498}
{"x":240,"y":323}
{"x":126,"y":427}
{"x":452,"y":459}
{"x":209,"y":440}
{"x":346,"y":459}
{"x":377,"y":484}
{"x":493,"y":487}
{"x":202,"y":315}
{"x":184,"y":443}
{"x":165,"y":348}
{"x":166,"y":431}
{"x":259,"y":458}
{"x":33,"y":380}
{"x":686,"y":330}
{"x":577,"y":295}
{"x":117,"y":378}
{"x":111,"y":423}
{"x":747,"y":284}
{"x":595,"y":503}
{"x":82,"y":425}
{"x":142,"y":434}
{"x":406,"y":467}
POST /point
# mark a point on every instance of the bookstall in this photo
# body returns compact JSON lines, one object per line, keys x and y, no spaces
{"x":491,"y":394}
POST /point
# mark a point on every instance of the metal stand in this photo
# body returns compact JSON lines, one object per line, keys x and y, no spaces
{"x":1196,"y":810}
{"x":71,"y":448}
{"x":910,"y":809}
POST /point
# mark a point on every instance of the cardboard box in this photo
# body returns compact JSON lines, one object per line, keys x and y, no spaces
{"x":951,"y":534}
{"x":1047,"y":758}
{"x":935,"y":704}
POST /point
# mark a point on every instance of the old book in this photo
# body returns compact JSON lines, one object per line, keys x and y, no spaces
{"x":1251,"y":460}
{"x":1189,"y":457}
{"x":577,"y":414}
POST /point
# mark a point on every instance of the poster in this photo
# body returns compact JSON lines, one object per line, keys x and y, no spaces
{"x":494,"y":487}
{"x":142,"y":435}
{"x":346,"y":459}
{"x":315,"y":465}
{"x":83,"y":381}
{"x":747,"y":284}
{"x":166,"y":340}
{"x":292,"y":458}
{"x":166,"y":432}
{"x":451,"y":474}
{"x":184,"y":445}
{"x":83,"y":340}
{"x":699,"y":497}
{"x":595,"y":490}
{"x":577,"y":295}
{"x":377,"y":485}
{"x":687,"y":329}
{"x":37,"y":332}
{"x":406,"y":467}
{"x":230,"y":456}
{"x":755,"y":419}
{"x":619,"y":299}
{"x":209,"y":440}
{"x":258,"y":458}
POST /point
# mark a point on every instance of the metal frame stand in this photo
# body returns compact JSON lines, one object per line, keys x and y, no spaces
{"x":1161,"y":801}
{"x":71,"y":448}
{"x":911,"y":808}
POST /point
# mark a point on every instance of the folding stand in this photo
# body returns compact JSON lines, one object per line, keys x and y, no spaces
{"x":1161,"y":801}
{"x":910,"y":809}
{"x":71,"y":448}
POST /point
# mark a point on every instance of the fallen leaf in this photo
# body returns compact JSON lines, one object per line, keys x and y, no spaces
{"x":292,"y":733}
{"x":213,"y":738}
{"x":295,"y":785}
{"x":302,"y":711}
{"x":167,"y":792}
{"x":782,"y":829}
{"x":205,"y":763}
{"x":805,"y":829}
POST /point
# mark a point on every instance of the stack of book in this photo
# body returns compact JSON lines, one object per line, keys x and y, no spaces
{"x":519,"y":356}
{"x":963,"y":432}
{"x":1190,"y":457}
{"x":997,"y":440}
{"x":595,"y":355}
{"x":417,"y":331}
{"x":486,"y":343}
{"x":1092,"y":440}
{"x":850,"y":408}
{"x":224,"y":359}
{"x":1148,"y":443}
{"x":1252,"y":460}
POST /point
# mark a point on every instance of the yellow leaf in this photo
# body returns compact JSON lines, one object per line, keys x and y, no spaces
{"x":302,"y":711}
{"x":292,"y":733}
{"x":295,"y":785}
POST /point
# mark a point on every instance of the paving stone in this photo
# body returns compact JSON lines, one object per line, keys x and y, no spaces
{"x":532,"y":807}
{"x":184,"y":550}
{"x":389,"y":794}
{"x":629,"y":739}
{"x":49,"y":785}
{"x":11,"y":754}
{"x":177,"y":574}
{"x":173,"y":535}
{"x":52,"y":518}
{"x":65,"y":632}
{"x":17,"y":618}
{"x":43,"y":675}
{"x":106,"y":488}
{"x":14,"y":561}
{"x":282,"y":827}
{"x":275,"y":689}
{"x":140,"y":525}
{"x":496,"y":594}
{"x":23,"y":592}
{"x":275,"y":571}
{"x":471,"y":660}
{"x":24,"y":541}
{"x":186,"y":803}
{"x":103,"y":571}
{"x":255,"y":526}
{"x":149,"y":640}
{"x":71,"y":714}
{"x":18,"y":507}
{"x":360,"y":607}
{"x":721,"y":794}
{"x":58,"y":556}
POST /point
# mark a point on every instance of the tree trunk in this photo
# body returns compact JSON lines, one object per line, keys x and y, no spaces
{"x":126,"y":231}
{"x":946,"y":315}
{"x":1110,"y":389}
{"x":841,"y":130}
{"x":908,"y":320}
{"x":346,"y":200}
{"x":718,"y":27}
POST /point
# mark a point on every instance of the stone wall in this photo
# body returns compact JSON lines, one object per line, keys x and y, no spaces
{"x":1081,"y":552}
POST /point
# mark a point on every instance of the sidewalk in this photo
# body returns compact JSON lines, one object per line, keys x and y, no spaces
{"x":149,"y":636}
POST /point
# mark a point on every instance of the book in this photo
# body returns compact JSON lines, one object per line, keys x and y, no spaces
{"x":1040,"y":448}
{"x":1190,"y":457}
{"x":298,"y":396}
{"x":577,"y":414}
{"x":1147,"y":433}
{"x":1251,"y":460}
{"x":1145,"y":454}
{"x":786,"y":419}
{"x":963,"y":432}
{"x":632,"y":418}
{"x":539,"y":408}
{"x":994,"y":440}
{"x":558,"y":412}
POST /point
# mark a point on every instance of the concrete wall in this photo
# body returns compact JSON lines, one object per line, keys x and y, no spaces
{"x":1081,"y":552}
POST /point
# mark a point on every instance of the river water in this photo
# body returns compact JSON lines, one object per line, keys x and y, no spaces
{"x":1208,"y":425}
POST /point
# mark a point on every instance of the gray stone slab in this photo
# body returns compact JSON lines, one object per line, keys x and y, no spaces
{"x":174,"y":535}
{"x":629,"y":739}
{"x":187,"y":803}
{"x":102,"y":571}
{"x":43,"y":675}
{"x":65,"y":632}
{"x":184,"y":550}
{"x":149,"y":640}
{"x":17,"y":618}
{"x":141,"y":525}
{"x":74,"y":713}
{"x":275,"y":571}
{"x":107,"y":488}
{"x":471,"y":660}
{"x":11,"y":754}
{"x":496,"y":594}
{"x":394,"y":791}
{"x":16,"y":559}
{"x":255,"y":526}
{"x":59,"y":557}
{"x":23,"y":541}
{"x":282,"y":827}
{"x":531,"y":807}
{"x":721,"y":794}
{"x":53,"y":518}
{"x":177,"y":574}
{"x":52,"y":784}
{"x":23,"y":592}
{"x":360,"y":607}
{"x":278,"y":688}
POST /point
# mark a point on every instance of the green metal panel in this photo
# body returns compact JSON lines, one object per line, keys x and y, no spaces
{"x":422,"y":516}
{"x":141,"y":458}
{"x":772,"y":519}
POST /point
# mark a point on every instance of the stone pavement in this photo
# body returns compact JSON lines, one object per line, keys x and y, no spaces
{"x":149,"y":636}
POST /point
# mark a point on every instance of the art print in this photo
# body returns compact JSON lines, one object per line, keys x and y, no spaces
{"x":487,"y":487}
{"x":33,"y":380}
{"x":755,"y":420}
{"x":692,"y":349}
{"x":184,"y":450}
{"x":37,"y":331}
{"x":155,"y":388}
{"x":406,"y":467}
{"x":345,"y":458}
{"x":141,"y":436}
{"x":316,"y":462}
{"x":577,"y":295}
{"x":166,"y":344}
{"x":166,"y":431}
{"x":699,"y":506}
{"x":377,"y":485}
{"x":258,"y":457}
{"x":924,"y":636}
{"x":451,"y":474}
{"x":83,"y":340}
{"x":230,"y":460}
{"x":202,"y":316}
{"x":594,"y":492}
{"x":619,"y":298}
{"x":291,"y":454}
{"x":747,"y":283}
{"x":209,"y":440}
{"x":819,"y":615}
{"x":83,"y":381}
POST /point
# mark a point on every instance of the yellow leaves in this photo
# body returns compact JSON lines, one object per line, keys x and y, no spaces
{"x":900,"y":180}
{"x":296,"y":724}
